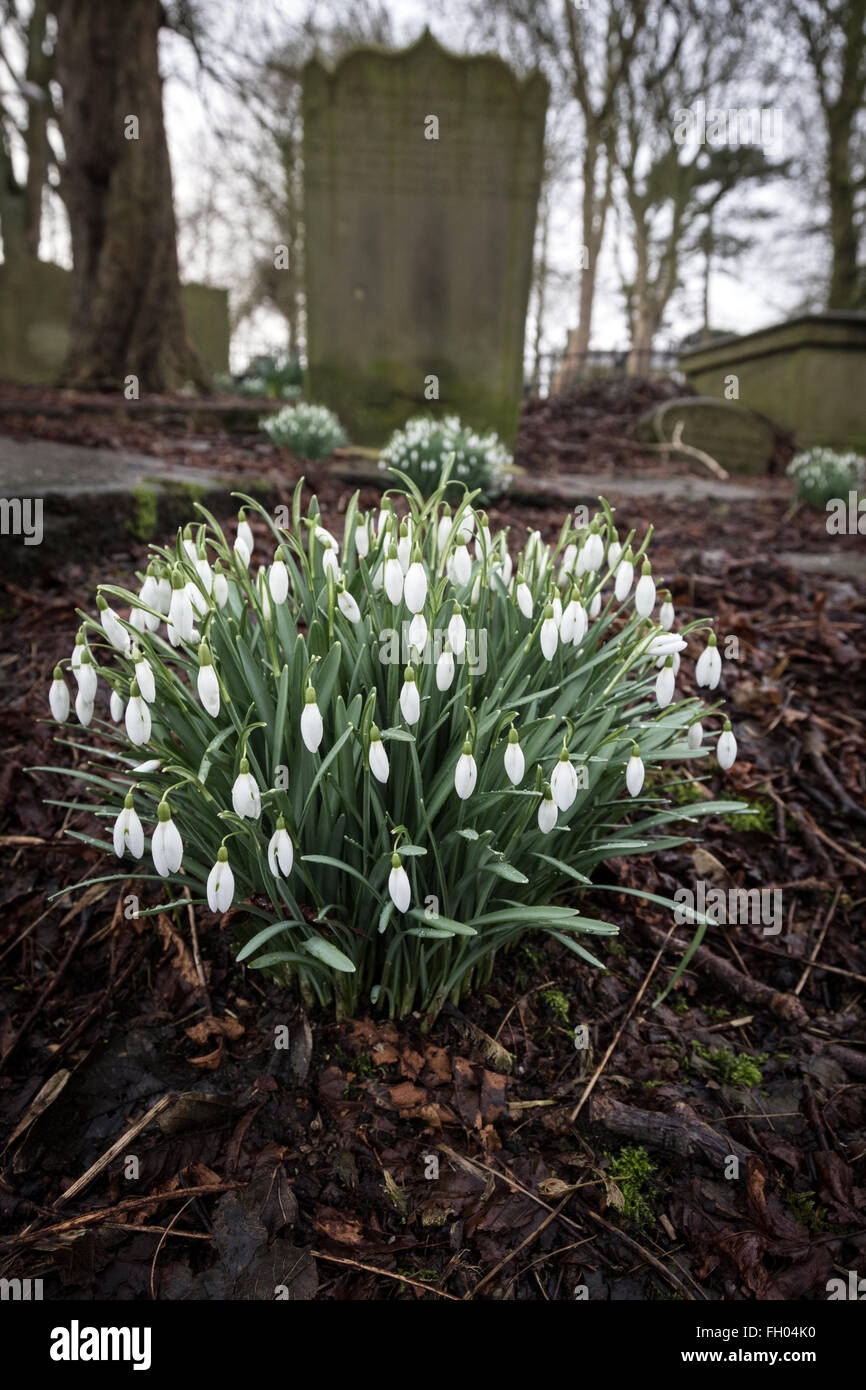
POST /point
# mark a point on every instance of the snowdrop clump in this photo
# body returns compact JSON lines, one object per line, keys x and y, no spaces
{"x":311,"y":431}
{"x":422,"y":447}
{"x":821,"y":474}
{"x":379,"y":830}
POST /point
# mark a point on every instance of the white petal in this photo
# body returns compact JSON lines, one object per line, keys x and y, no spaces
{"x":634,"y":775}
{"x":58,"y":699}
{"x":410,"y":702}
{"x":312,"y":728}
{"x":515,"y":763}
{"x":400,"y":889}
{"x":378,"y":760}
{"x":444,"y":671}
{"x":465,"y":776}
{"x":209,"y":689}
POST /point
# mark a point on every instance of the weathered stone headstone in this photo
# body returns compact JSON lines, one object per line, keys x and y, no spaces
{"x":740,"y":440}
{"x":421,"y":178}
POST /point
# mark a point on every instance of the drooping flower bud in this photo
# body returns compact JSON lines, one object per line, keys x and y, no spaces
{"x":515,"y":763}
{"x":634,"y":772}
{"x":278,"y":581}
{"x":645,"y":593}
{"x":524,"y":597}
{"x":312,"y":728}
{"x":347,"y":605}
{"x":116,"y":706}
{"x":445,"y":668}
{"x":465,"y":773}
{"x":726,"y":748}
{"x":206,"y":682}
{"x":393,"y":576}
{"x":377,"y":756}
{"x":549,"y":634}
{"x":665,"y":683}
{"x":695,"y":735}
{"x":624,"y":577}
{"x":399,"y":887}
{"x":666,"y":612}
{"x":708,"y":668}
{"x":457,"y":631}
{"x":137,"y":718}
{"x":112,"y":626}
{"x":563,"y":781}
{"x":547,"y":812}
{"x":410,"y":700}
{"x":415,"y":587}
{"x":58,"y":697}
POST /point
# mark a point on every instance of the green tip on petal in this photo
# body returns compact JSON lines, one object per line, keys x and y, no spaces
{"x":204,"y":656}
{"x":101,"y":603}
{"x":670,"y":661}
{"x":409,"y":674}
{"x":223,"y":856}
{"x":727,"y":726}
{"x":375,"y":736}
{"x":281,"y":822}
{"x":711,"y":640}
{"x":647,"y":567}
{"x":177,"y":580}
{"x":396,"y":861}
{"x":563,"y":757}
{"x":512,"y":735}
{"x":309,"y":696}
{"x":467,"y":749}
{"x":244,"y":767}
{"x":58,"y":674}
{"x":134,"y":691}
{"x":548,"y":612}
{"x":128,"y":801}
{"x":163,"y":812}
{"x":635,"y":751}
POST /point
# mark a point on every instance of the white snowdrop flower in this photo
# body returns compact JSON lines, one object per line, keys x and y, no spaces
{"x":379,"y":575}
{"x":78,"y":651}
{"x":220,"y":587}
{"x":666,"y":644}
{"x":189,"y":546}
{"x":593,"y":551}
{"x":112,"y":626}
{"x":243,"y":552}
{"x":204,"y":572}
{"x":566,"y":569}
{"x":549,"y":634}
{"x":58,"y":697}
{"x":139,"y":620}
{"x":348,"y":606}
{"x":563,"y":781}
{"x":244,"y":536}
{"x":149,"y":591}
{"x":445,"y":668}
{"x":246,"y":797}
{"x":143,"y":674}
{"x":331,"y":563}
{"x":163,"y":592}
{"x":221,"y":883}
{"x":515,"y":763}
{"x":128,"y":831}
{"x":281,"y":851}
{"x":325,"y":537}
{"x":614,"y":554}
{"x":726,"y":748}
{"x":418,"y":632}
{"x":404,"y":550}
{"x":377,"y":756}
{"x":476,"y":590}
{"x":457,"y":631}
{"x":665,"y":684}
{"x":695,"y":735}
{"x":634,"y":772}
{"x":708,"y":670}
{"x":580,"y":563}
{"x":399,"y":887}
{"x":645,"y":593}
{"x":443,"y":531}
{"x":624,"y":577}
{"x":206,"y":681}
{"x":581,"y":623}
{"x":152,"y":765}
{"x":137,"y":718}
{"x":166,"y":846}
{"x":466,"y":526}
{"x":556,"y":605}
{"x":383,"y":520}
{"x":507,"y":569}
{"x":595,"y":604}
{"x":465,"y":773}
{"x":312,"y":728}
{"x":393,"y":576}
{"x":547,"y":812}
{"x":278,"y":581}
{"x":198,"y":600}
{"x":410,"y":700}
{"x":362,"y":539}
{"x":461,"y":564}
{"x":116,"y":706}
{"x":181,"y":621}
{"x":85,"y":675}
{"x":83,"y":709}
{"x":666,"y":613}
{"x":415,"y":587}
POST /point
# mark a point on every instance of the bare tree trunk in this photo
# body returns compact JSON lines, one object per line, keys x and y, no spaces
{"x":39,"y":72}
{"x":595,"y":210}
{"x":127,"y":312}
{"x":844,"y":286}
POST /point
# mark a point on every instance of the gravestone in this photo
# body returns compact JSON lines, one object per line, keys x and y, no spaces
{"x":740,"y":440}
{"x":421,"y":179}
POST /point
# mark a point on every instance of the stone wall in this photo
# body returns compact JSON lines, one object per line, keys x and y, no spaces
{"x":35,"y":299}
{"x":418,"y":249}
{"x":809,"y":374}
